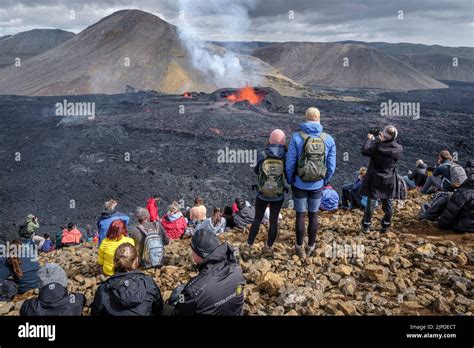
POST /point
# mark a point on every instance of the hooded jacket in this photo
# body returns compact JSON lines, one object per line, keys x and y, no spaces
{"x":295,"y":150}
{"x":174,"y":225}
{"x":381,"y":181}
{"x":276,"y":151}
{"x":217,"y":289}
{"x":71,"y":237}
{"x":329,"y":199}
{"x":459,"y":213}
{"x":105,"y":219}
{"x":53,"y":299}
{"x":128,"y":294}
{"x":244,"y":216}
{"x":29,"y":227}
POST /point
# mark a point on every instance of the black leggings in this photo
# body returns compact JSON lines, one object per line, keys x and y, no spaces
{"x":260,"y":207}
{"x":312,"y":228}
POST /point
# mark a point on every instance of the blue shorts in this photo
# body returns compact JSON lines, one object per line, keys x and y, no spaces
{"x":306,"y":200}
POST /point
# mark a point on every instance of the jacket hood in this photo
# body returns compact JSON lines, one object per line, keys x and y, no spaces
{"x":275,"y":150}
{"x":311,"y":128}
{"x":29,"y":217}
{"x":423,"y":166}
{"x":174,"y":217}
{"x":151,"y":200}
{"x":52,"y":293}
{"x":128,"y":289}
{"x":223,"y":252}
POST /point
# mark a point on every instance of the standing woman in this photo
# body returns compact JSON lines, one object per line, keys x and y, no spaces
{"x":270,"y":169}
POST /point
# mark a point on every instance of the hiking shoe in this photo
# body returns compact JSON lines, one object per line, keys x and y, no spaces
{"x":365,"y":229}
{"x":310,"y":250}
{"x":384,"y":229}
{"x":267,"y":251}
{"x":300,"y":252}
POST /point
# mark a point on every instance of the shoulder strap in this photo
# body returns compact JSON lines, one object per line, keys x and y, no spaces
{"x":303,"y":135}
{"x":323,"y":136}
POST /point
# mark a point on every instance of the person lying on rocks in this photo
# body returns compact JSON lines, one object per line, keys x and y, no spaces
{"x":218,"y":288}
{"x":53,"y":298}
{"x":128,"y":292}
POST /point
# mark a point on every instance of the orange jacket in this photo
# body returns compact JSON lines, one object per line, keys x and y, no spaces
{"x":71,"y":236}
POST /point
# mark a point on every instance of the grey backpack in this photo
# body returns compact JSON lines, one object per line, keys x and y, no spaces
{"x":153,"y":247}
{"x":458,"y":175}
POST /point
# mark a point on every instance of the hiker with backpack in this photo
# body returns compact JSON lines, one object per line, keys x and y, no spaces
{"x":150,"y":239}
{"x":108,"y":216}
{"x":270,"y":170}
{"x":21,"y":267}
{"x":382,"y":182}
{"x":128,"y":292}
{"x":53,"y":297}
{"x":351,"y":198}
{"x":446,"y":176}
{"x":310,"y":164}
{"x":417,"y":178}
{"x":116,"y":235}
{"x":218,"y":289}
{"x":459,"y":212}
{"x":28,"y":228}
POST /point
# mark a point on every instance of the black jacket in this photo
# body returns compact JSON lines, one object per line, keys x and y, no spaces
{"x":381,"y":179}
{"x":459,"y":213}
{"x":419,"y":175}
{"x":217,"y":289}
{"x":53,"y":299}
{"x":127,"y":294}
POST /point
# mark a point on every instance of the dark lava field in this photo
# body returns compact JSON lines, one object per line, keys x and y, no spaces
{"x":62,"y":168}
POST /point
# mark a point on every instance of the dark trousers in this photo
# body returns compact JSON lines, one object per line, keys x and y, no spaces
{"x":349,"y":197}
{"x":387,"y":207}
{"x":431,"y":184}
{"x":260,"y":207}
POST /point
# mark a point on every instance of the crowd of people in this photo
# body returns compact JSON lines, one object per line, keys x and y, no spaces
{"x":304,"y":166}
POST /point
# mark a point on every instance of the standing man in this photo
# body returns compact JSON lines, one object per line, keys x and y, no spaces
{"x":380,"y":182}
{"x":310,"y":164}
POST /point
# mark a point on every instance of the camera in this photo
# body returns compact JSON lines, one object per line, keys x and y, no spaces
{"x":375,"y":131}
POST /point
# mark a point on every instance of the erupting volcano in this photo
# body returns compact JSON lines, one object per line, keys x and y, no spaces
{"x":246,"y":93}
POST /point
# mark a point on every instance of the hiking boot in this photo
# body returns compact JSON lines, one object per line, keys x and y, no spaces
{"x":300,"y":252}
{"x":267,"y":251}
{"x":310,"y":250}
{"x":365,"y":229}
{"x":384,"y":229}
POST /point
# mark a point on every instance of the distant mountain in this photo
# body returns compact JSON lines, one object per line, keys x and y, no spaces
{"x":435,"y":61}
{"x":322,"y":64}
{"x":127,"y":48}
{"x":27,"y":44}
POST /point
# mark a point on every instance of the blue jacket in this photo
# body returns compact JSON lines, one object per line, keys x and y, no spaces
{"x":295,"y":150}
{"x":330,"y":199}
{"x":106,"y":219}
{"x":444,"y":171}
{"x":29,"y":266}
{"x":47,"y":246}
{"x":272,"y":151}
{"x":357,"y":185}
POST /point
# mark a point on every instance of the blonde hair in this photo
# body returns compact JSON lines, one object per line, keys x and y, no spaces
{"x":124,"y":258}
{"x":110,"y":205}
{"x":362,"y":171}
{"x":174,"y":207}
{"x":312,"y":114}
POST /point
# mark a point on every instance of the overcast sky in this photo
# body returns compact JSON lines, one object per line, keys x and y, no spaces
{"x":444,"y":22}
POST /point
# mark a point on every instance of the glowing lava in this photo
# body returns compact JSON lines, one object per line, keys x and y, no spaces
{"x":246,"y":93}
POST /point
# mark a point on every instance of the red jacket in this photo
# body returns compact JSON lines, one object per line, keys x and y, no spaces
{"x":71,"y":236}
{"x":174,"y":229}
{"x":152,"y":208}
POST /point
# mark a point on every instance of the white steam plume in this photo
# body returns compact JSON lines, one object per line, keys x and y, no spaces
{"x":223,"y":67}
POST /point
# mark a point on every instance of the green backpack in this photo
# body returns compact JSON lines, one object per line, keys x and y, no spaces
{"x":271,"y":181}
{"x":312,"y":164}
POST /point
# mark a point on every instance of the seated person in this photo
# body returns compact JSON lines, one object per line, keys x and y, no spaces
{"x":48,"y":244}
{"x":459,"y":213}
{"x":245,"y":215}
{"x":174,"y":222}
{"x":116,"y":235}
{"x":229,"y":217}
{"x":329,"y":198}
{"x":216,"y":223}
{"x":197,"y":213}
{"x":351,"y":199}
{"x":71,"y":236}
{"x":129,"y":292}
{"x":218,"y":288}
{"x":441,"y":178}
{"x":109,"y":215}
{"x":53,"y":297}
{"x":23,"y":269}
{"x":417,"y":177}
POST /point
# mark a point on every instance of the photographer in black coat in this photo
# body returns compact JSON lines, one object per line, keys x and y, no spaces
{"x":459,"y":213}
{"x":381,"y":181}
{"x":218,"y":288}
